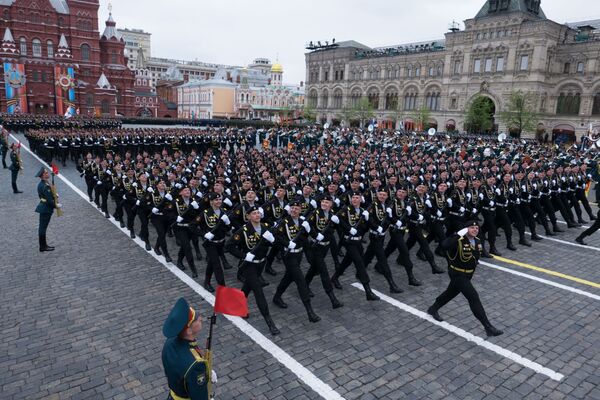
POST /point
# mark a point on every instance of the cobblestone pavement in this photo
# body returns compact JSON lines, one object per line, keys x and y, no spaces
{"x":85,"y":321}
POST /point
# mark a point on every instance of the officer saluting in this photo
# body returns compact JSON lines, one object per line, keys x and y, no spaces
{"x":183,"y":361}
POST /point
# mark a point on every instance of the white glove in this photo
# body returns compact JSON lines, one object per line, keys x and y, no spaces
{"x":523,"y":188}
{"x":199,"y":195}
{"x":137,"y":203}
{"x":306,"y":226}
{"x":398,"y":224}
{"x":511,"y":190}
{"x":291,"y":245}
{"x":313,"y":204}
{"x":321,"y":189}
{"x":58,"y":205}
{"x":208,"y":236}
{"x":353,"y":231}
{"x":469,"y":196}
{"x":178,"y":185}
{"x":113,"y":188}
{"x":269,"y":236}
{"x":225,"y":219}
{"x":462,"y":210}
{"x":261,"y":211}
{"x":449,"y":201}
{"x":228,"y":202}
{"x":124,"y":197}
{"x":342,"y":188}
{"x":228,"y":192}
{"x":150,"y":189}
{"x":379,"y":229}
{"x":179,"y":218}
{"x":228,"y":180}
{"x":108,"y":172}
{"x":365,"y":215}
{"x":439,"y":213}
{"x":362,"y":198}
{"x":134,"y":184}
{"x":155,"y":210}
{"x":389,"y":212}
{"x":492,"y":203}
{"x":99,"y":182}
{"x":299,"y":192}
{"x":480,"y":196}
{"x":463,"y":232}
{"x":169,"y":197}
{"x":498,"y":191}
{"x":337,"y":202}
{"x":474,"y":211}
{"x":213,"y":376}
{"x":409,"y":210}
{"x":428,"y":203}
{"x":421,"y":218}
{"x":195,"y":205}
{"x":535,"y":186}
{"x":335,"y":219}
{"x":518,"y":201}
{"x":287,"y":208}
{"x":320,"y":237}
{"x":249,"y":257}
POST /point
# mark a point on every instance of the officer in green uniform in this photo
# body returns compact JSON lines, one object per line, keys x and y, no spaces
{"x":183,"y":361}
{"x":45,"y":208}
{"x":15,"y":167}
{"x":463,"y":251}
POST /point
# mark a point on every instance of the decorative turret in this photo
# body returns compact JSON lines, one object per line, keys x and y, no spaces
{"x":110,"y":32}
{"x":112,"y":45}
{"x":103,"y":82}
{"x":8,"y":44}
{"x":276,"y":74}
{"x":63,"y":51}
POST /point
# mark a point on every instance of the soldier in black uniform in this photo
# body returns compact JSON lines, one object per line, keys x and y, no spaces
{"x":292,"y":234}
{"x":140,"y":189}
{"x":250,"y":244}
{"x":463,"y":252}
{"x":161,"y":203}
{"x":185,"y":211}
{"x":275,"y":210}
{"x":214,"y":224}
{"x":117,"y":191}
{"x":103,"y":185}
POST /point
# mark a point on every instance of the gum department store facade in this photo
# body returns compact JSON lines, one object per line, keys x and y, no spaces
{"x":509,"y":45}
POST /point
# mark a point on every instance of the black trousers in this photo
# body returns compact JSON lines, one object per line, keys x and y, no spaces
{"x":90,"y":183}
{"x":580,"y":196}
{"x":488,"y":228}
{"x":595,"y":226}
{"x":293,"y":273}
{"x":558,"y":204}
{"x":334,"y":246}
{"x":118,"y":198}
{"x":527,"y":216}
{"x":143,"y":216}
{"x":375,"y":249}
{"x":574,"y":204}
{"x":13,"y":179}
{"x":514,"y":213}
{"x":101,"y":197}
{"x":416,"y":235}
{"x":251,"y":284}
{"x":354,"y":254}
{"x":214,"y":252}
{"x":438,"y":233}
{"x":161,"y":224}
{"x":183,"y":237}
{"x":461,"y":283}
{"x":397,"y":242}
{"x":316,"y":258}
{"x":130,"y":210}
{"x":564,"y":198}
{"x":546,"y":203}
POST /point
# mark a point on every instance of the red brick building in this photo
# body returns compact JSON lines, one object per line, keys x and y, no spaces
{"x":55,"y":60}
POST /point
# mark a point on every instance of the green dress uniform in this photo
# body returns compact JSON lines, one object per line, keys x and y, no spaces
{"x":15,"y":167}
{"x":186,"y":369}
{"x":45,"y":208}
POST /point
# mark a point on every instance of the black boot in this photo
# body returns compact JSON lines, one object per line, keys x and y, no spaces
{"x":148,"y":247}
{"x":435,"y":269}
{"x":370,"y":295}
{"x":336,"y":282}
{"x":198,"y":255}
{"x":494,"y":251}
{"x":122,"y":224}
{"x":335,"y":303}
{"x":167,"y":257}
{"x":106,"y":214}
{"x":412,"y":281}
{"x":272,"y":328}
{"x":581,"y":221}
{"x":48,"y":247}
{"x":510,"y":245}
{"x":208,"y":286}
{"x":421,"y":256}
{"x":131,"y":234}
{"x":555,"y":228}
{"x":225,"y":263}
{"x":523,"y":241}
{"x":262,"y":281}
{"x":434,"y":313}
{"x":490,"y":330}
{"x":485,"y":254}
{"x":393,"y":287}
{"x":42,"y":246}
{"x":312,"y":317}
{"x":310,"y":292}
{"x":579,"y":239}
{"x":535,"y":236}
{"x":180,"y":263}
{"x":269,"y":270}
{"x":278,"y":301}
{"x":157,"y":251}
{"x":592,"y":216}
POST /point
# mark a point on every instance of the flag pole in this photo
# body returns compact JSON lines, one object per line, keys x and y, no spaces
{"x":213,"y":321}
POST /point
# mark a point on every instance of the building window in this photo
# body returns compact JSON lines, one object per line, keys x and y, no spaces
{"x":417,"y":72}
{"x":453,"y":103}
{"x":89,"y":100}
{"x":50,"y":47}
{"x":36,"y":48}
{"x":477,"y":66}
{"x":410,"y":101}
{"x":432,"y":101}
{"x":23,"y":46}
{"x":85,"y":52}
{"x":456,"y":67}
{"x":105,"y":106}
{"x":391,"y":101}
{"x":35,"y":76}
{"x":524,"y":63}
{"x":580,"y":67}
{"x":113,"y":57}
{"x":567,"y":68}
{"x":500,"y":64}
{"x":596,"y":106}
{"x":341,"y":75}
{"x":409,"y":72}
{"x":326,"y":76}
{"x":568,"y":104}
{"x":488,"y":65}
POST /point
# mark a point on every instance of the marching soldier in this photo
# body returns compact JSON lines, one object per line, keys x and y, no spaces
{"x":45,"y":208}
{"x":140,"y":208}
{"x":463,"y":252}
{"x":185,"y":210}
{"x":161,"y":203}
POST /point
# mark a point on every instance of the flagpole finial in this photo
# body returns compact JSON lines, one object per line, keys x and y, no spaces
{"x":110,"y":7}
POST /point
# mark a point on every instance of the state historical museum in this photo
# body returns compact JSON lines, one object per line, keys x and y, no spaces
{"x":55,"y":61}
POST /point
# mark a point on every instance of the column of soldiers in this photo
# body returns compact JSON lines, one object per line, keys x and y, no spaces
{"x":357,"y":204}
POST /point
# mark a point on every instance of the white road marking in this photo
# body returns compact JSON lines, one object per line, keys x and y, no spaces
{"x":565,"y":223}
{"x":540,"y":369}
{"x":568,"y":243}
{"x":306,"y":376}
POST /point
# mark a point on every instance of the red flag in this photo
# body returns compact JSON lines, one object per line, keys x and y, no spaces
{"x":231,"y":301}
{"x":54,"y":169}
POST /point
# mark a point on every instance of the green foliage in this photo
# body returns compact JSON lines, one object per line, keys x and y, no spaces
{"x":421,"y":117}
{"x":363,"y":110}
{"x":520,"y":114}
{"x":347,"y":114}
{"x":309,"y":113}
{"x":479,"y":115}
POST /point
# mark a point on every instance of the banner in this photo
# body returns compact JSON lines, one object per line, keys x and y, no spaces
{"x":65,"y":89}
{"x":15,"y":86}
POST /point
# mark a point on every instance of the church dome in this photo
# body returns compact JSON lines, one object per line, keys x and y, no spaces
{"x":277,"y":68}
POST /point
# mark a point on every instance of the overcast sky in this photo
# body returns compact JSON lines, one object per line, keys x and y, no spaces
{"x":237,"y":31}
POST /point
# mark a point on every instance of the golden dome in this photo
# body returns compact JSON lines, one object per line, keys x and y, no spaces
{"x":277,"y":68}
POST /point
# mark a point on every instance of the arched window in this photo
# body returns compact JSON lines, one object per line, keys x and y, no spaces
{"x":432,"y":101}
{"x":596,"y":106}
{"x":85,"y":52}
{"x":36,"y":47}
{"x":568,"y":104}
{"x":50,"y":48}
{"x":325,"y":99}
{"x":337,"y":99}
{"x":373,"y":97}
{"x":23,"y":46}
{"x":410,"y":101}
{"x":355,"y":98}
{"x":105,"y":106}
{"x":391,"y":100}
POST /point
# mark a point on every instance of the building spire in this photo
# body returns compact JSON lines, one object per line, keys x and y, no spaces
{"x":63,"y":48}
{"x":8,"y":43}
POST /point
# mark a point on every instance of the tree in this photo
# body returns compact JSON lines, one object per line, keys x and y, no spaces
{"x":309,"y":113}
{"x":347,"y":114}
{"x":363,"y":110}
{"x":421,"y":117}
{"x":479,"y":115}
{"x":520,"y":113}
